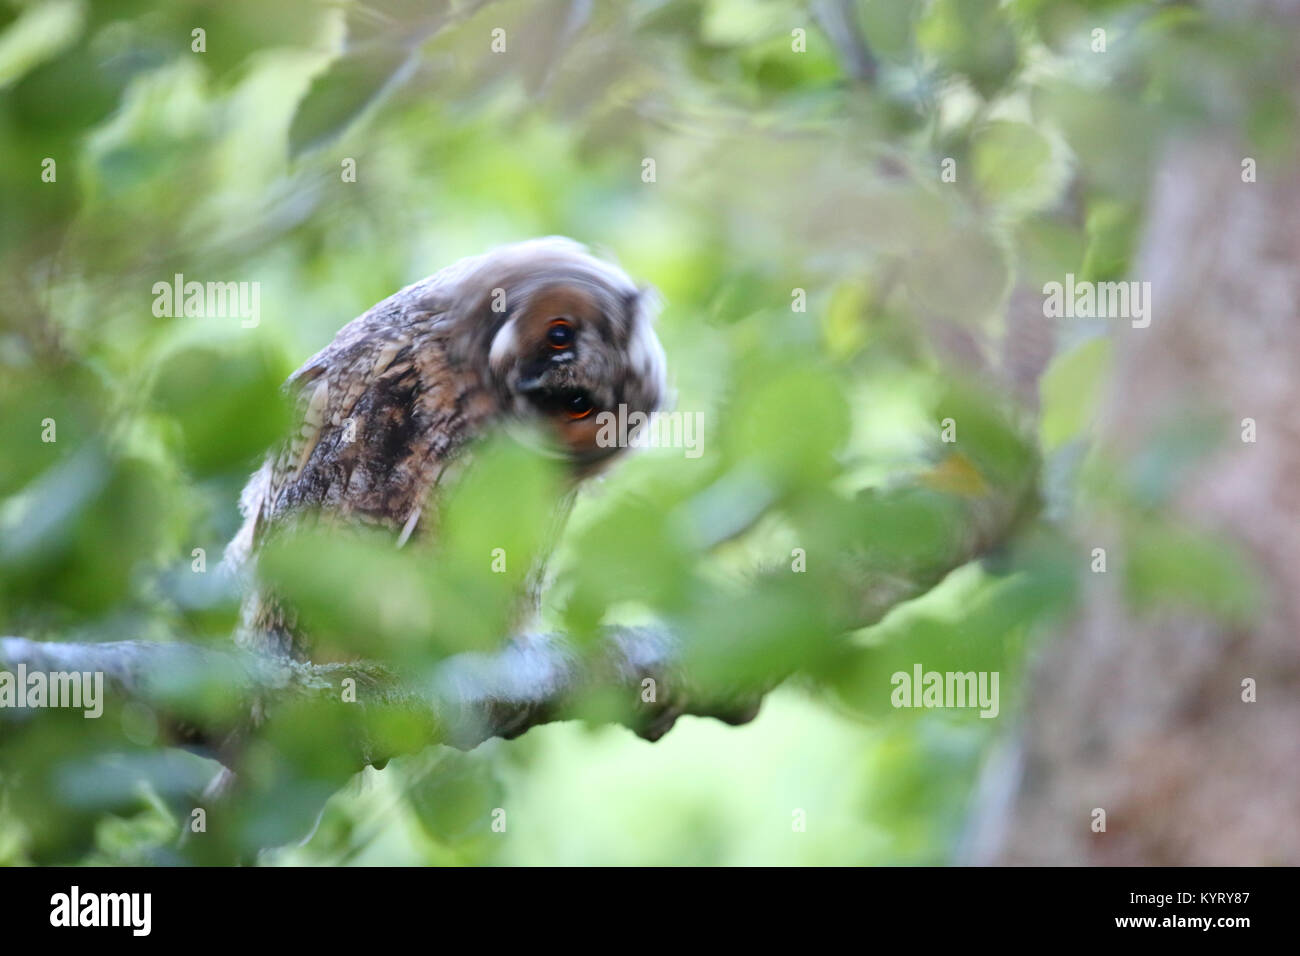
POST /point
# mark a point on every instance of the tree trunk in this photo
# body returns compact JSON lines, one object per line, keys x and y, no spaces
{"x":1140,"y":712}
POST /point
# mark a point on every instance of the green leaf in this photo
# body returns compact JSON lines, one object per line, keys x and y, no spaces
{"x":454,"y":802}
{"x":1013,"y":165}
{"x":226,"y":403}
{"x":972,"y":37}
{"x":338,"y":97}
{"x":1180,"y":567}
{"x":41,"y":31}
{"x":1071,"y":389}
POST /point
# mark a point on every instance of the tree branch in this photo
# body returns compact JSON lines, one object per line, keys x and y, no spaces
{"x":839,"y":20}
{"x":632,"y":676}
{"x":470,"y":698}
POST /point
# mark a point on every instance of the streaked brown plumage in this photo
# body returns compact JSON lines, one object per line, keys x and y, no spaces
{"x":539,"y":330}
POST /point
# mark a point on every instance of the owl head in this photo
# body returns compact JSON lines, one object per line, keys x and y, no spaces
{"x":570,"y":337}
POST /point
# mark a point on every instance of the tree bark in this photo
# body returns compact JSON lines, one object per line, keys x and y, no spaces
{"x":1140,"y":712}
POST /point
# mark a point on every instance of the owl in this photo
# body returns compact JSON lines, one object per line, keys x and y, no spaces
{"x":536,"y":332}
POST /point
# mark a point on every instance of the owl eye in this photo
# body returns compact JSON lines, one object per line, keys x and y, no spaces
{"x":578,"y":405}
{"x":560,"y":334}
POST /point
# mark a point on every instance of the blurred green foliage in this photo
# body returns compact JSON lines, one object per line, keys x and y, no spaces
{"x":779,"y":172}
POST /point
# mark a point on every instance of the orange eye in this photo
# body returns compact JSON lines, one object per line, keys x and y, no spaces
{"x":560,"y":334}
{"x":578,"y":405}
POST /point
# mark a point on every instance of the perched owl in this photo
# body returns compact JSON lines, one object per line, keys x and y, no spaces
{"x":537,"y":331}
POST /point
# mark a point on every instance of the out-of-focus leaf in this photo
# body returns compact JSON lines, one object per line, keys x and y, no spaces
{"x":889,"y":26}
{"x":353,"y":82}
{"x":226,"y":402}
{"x":356,"y":593}
{"x":956,"y":475}
{"x":972,"y":37}
{"x":1013,"y":165}
{"x":1112,"y":232}
{"x":77,"y":536}
{"x":790,"y":421}
{"x":635,"y":555}
{"x":844,"y":326}
{"x":1070,"y":390}
{"x":984,"y":434}
{"x":455,"y":800}
{"x":41,"y":31}
{"x":1168,"y":567}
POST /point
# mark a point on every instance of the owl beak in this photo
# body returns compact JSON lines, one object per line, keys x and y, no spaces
{"x":534,"y":377}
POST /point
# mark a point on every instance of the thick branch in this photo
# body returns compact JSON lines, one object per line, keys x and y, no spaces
{"x":632,"y":676}
{"x":470,"y":698}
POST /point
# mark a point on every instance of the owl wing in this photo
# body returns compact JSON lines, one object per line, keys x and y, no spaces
{"x":355,"y":413}
{"x":312,"y":466}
